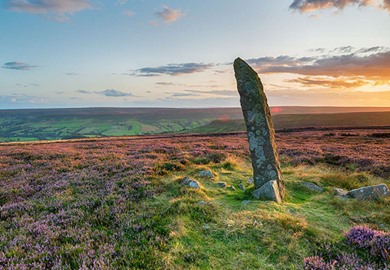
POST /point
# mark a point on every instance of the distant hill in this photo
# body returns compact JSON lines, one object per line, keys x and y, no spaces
{"x":55,"y":124}
{"x":287,"y":121}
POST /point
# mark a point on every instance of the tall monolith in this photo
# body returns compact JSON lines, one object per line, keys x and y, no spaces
{"x":261,"y":135}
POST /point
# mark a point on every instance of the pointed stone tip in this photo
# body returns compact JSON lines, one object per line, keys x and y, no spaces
{"x":240,"y":64}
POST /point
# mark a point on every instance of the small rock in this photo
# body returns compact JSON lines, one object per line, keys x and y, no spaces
{"x":190,"y":182}
{"x":221,"y":184}
{"x":232,"y":188}
{"x":194,"y":184}
{"x":206,"y":174}
{"x":340,"y":192}
{"x":241,"y":186}
{"x":370,"y":192}
{"x":312,"y":187}
{"x":202,"y":203}
{"x":250,"y":180}
{"x":245,"y":202}
{"x":269,"y":191}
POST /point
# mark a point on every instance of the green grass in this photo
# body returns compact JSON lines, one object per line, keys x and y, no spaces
{"x":212,"y":228}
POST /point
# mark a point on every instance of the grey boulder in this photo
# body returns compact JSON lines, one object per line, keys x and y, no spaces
{"x":206,"y":174}
{"x":370,"y":192}
{"x":190,"y":183}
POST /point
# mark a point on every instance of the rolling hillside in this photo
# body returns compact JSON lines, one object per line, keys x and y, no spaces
{"x":54,"y":124}
{"x":288,"y":121}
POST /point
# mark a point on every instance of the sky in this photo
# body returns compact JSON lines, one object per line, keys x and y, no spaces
{"x":152,"y":53}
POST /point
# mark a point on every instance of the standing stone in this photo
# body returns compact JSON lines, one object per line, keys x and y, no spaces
{"x":260,"y":130}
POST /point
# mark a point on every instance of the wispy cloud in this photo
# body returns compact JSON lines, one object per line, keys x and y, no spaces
{"x":107,"y":93}
{"x":22,"y":99}
{"x":312,"y":5}
{"x":28,"y":85}
{"x":328,"y":97}
{"x":203,"y":94}
{"x":225,"y":93}
{"x":172,"y":69}
{"x":72,"y":73}
{"x":18,"y":66}
{"x":54,"y":9}
{"x":338,"y":68}
{"x":115,"y":93}
{"x":170,"y":15}
{"x":128,"y":13}
{"x":369,"y":63}
{"x":121,"y":2}
{"x":165,"y":83}
{"x":338,"y":83}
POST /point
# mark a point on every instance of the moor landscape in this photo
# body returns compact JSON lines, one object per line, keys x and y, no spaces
{"x":191,"y":135}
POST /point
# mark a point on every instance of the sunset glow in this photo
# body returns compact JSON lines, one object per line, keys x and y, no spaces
{"x":86,"y":53}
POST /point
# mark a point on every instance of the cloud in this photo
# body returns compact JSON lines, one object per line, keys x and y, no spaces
{"x":312,"y":5}
{"x":328,"y":97}
{"x":107,"y":93}
{"x":344,"y":49}
{"x":225,"y":93}
{"x":28,"y":85}
{"x":121,"y":2}
{"x":375,"y":66}
{"x":386,"y":5}
{"x":172,"y":69}
{"x":54,"y":9}
{"x":128,"y":13}
{"x":72,"y":73}
{"x":18,"y":66}
{"x":165,"y":83}
{"x":22,"y":99}
{"x":204,"y":94}
{"x":339,"y":83}
{"x":115,"y":93}
{"x":170,"y":15}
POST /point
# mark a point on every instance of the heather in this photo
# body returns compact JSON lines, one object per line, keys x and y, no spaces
{"x":118,"y":203}
{"x":362,"y":249}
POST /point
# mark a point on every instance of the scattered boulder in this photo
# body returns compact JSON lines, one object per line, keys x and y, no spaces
{"x":206,"y":174}
{"x":245,"y":202}
{"x":260,"y":130}
{"x":241,"y":186}
{"x":370,"y":192}
{"x":269,"y":191}
{"x":313,"y":187}
{"x":250,"y":180}
{"x":202,"y":203}
{"x":190,"y":183}
{"x":221,"y":184}
{"x":340,"y":192}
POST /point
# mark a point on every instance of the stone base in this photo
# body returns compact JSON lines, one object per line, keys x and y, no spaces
{"x":269,"y":191}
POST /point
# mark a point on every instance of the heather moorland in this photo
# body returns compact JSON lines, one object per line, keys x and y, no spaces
{"x":118,"y":203}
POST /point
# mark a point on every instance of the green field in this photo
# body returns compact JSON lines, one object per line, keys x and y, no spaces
{"x":58,"y":124}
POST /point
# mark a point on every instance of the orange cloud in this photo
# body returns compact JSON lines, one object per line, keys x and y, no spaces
{"x":313,"y":5}
{"x":375,"y":66}
{"x":169,"y":14}
{"x":332,"y":83}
